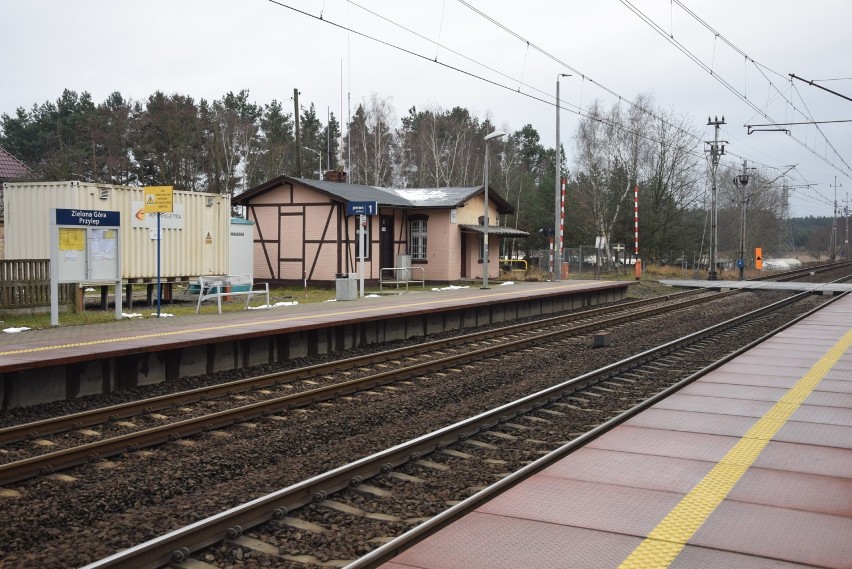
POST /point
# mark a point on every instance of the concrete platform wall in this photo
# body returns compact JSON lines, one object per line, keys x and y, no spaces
{"x":45,"y":384}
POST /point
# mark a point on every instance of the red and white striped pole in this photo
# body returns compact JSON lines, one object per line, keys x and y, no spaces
{"x":562,"y":225}
{"x":552,"y":256}
{"x":636,"y":221}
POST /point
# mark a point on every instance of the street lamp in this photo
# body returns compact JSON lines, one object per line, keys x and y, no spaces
{"x":495,"y":134}
{"x":319,"y":156}
{"x":557,"y":230}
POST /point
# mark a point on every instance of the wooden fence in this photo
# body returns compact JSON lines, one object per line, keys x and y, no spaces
{"x":25,"y":283}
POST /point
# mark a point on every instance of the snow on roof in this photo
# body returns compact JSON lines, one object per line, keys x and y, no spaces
{"x":435,"y":197}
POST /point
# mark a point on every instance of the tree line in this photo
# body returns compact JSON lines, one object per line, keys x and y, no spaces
{"x":233,"y":143}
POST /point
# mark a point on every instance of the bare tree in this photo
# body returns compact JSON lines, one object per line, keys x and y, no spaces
{"x":372,"y":142}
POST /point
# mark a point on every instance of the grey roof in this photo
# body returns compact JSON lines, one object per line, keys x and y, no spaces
{"x":494,"y":230}
{"x":393,"y":197}
{"x":356,"y":192}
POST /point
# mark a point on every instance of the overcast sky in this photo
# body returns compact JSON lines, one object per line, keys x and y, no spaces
{"x":205,"y":48}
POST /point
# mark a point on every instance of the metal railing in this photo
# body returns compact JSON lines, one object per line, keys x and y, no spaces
{"x":396,"y":272}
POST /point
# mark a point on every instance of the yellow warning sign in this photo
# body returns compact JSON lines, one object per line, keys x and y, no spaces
{"x":158,"y":199}
{"x":208,"y":239}
{"x":758,"y":258}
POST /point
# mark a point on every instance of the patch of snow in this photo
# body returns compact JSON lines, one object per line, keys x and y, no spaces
{"x":131,"y":315}
{"x":421,"y":195}
{"x":15,"y":330}
{"x":276,"y":305}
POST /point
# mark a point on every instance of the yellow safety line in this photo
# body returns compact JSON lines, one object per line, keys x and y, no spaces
{"x":253,"y":323}
{"x":666,"y":541}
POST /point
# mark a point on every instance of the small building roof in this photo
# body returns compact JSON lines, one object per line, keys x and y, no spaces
{"x":13,"y":169}
{"x":494,"y":230}
{"x":414,"y":198}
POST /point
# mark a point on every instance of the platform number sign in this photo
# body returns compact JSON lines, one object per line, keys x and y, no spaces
{"x":362,"y":208}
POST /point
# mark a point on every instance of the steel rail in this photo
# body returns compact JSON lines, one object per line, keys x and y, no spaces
{"x":177,"y":545}
{"x":66,"y":458}
{"x":26,"y":431}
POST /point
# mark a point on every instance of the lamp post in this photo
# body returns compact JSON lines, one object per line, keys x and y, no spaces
{"x":495,"y":134}
{"x":319,"y":157}
{"x":557,"y":229}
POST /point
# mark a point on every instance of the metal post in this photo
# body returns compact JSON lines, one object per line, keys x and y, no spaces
{"x":557,"y":210}
{"x":495,"y":134}
{"x":846,"y":215}
{"x":715,"y":152}
{"x":159,"y":243}
{"x":362,"y":233}
{"x":833,"y":252}
{"x":742,"y":180}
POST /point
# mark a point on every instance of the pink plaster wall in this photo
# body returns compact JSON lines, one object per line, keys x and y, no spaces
{"x":300,"y":227}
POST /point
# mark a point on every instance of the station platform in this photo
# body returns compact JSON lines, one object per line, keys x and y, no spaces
{"x":64,"y":362}
{"x":750,"y":466}
{"x":819,"y":288}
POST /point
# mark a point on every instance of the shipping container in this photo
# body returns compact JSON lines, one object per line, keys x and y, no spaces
{"x":195,"y":236}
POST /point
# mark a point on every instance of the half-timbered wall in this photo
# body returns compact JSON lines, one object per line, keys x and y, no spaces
{"x":304,"y":233}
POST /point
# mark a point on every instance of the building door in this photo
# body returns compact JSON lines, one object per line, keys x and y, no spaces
{"x":465,"y":256}
{"x":386,"y":259}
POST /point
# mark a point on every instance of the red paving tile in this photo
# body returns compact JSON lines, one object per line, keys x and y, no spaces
{"x":555,"y":500}
{"x":801,"y":537}
{"x":482,"y":541}
{"x":791,"y":508}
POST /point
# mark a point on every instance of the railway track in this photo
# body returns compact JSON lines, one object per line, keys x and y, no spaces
{"x":334,"y":519}
{"x":118,"y":503}
{"x":30,"y":451}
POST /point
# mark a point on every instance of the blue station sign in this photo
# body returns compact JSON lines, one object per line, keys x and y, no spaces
{"x":362,"y":208}
{"x":88,"y":217}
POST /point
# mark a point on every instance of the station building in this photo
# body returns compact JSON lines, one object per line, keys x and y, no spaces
{"x":302,"y":231}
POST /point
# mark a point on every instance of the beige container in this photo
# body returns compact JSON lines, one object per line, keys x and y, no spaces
{"x":195,"y":237}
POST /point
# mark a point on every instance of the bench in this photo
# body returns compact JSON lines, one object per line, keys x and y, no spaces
{"x":227,"y":286}
{"x":391,"y":276}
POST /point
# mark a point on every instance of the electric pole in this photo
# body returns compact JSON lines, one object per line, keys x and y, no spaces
{"x":833,"y":252}
{"x":715,"y":151}
{"x":298,"y":134}
{"x":742,"y":180}
{"x":846,"y":215}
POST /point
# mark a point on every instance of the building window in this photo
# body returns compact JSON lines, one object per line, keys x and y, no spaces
{"x":417,"y":240}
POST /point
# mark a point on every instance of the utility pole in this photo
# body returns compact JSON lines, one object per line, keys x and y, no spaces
{"x":558,"y":207}
{"x":846,"y":215}
{"x":715,"y":152}
{"x":742,"y":180}
{"x":833,"y":252}
{"x":298,"y":135}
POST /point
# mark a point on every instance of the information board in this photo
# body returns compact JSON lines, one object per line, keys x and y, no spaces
{"x":84,"y":248}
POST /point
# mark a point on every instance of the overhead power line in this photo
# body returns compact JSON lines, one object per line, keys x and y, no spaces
{"x":820,"y":87}
{"x":683,"y":49}
{"x":577,"y":110}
